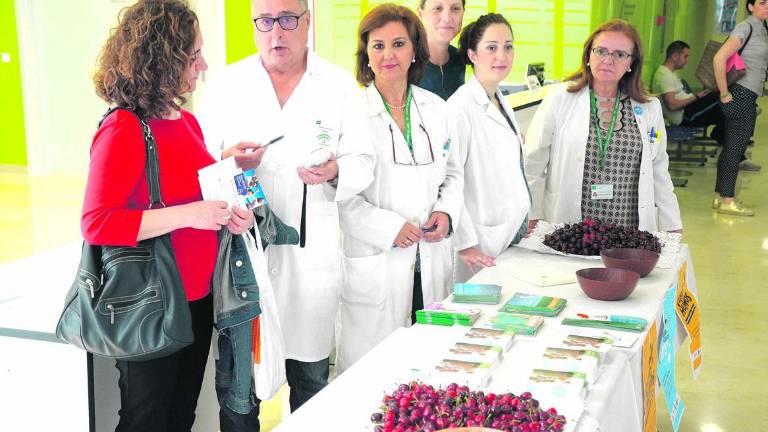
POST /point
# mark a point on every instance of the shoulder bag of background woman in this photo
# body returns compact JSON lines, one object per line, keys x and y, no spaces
{"x":735,"y":69}
{"x":128,"y":303}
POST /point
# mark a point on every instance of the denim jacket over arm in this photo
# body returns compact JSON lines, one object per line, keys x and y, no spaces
{"x":236,"y":304}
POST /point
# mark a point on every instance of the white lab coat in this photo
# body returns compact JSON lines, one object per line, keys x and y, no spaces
{"x":378,"y":284}
{"x":556,"y":145}
{"x":496,"y":198}
{"x":324,"y":110}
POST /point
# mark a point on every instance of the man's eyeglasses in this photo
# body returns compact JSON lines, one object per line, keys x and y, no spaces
{"x":618,"y":56}
{"x":287,"y":22}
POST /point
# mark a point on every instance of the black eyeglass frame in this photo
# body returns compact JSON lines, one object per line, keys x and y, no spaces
{"x":286,"y":22}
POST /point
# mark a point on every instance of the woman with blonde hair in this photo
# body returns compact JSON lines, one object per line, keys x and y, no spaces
{"x":597,"y":145}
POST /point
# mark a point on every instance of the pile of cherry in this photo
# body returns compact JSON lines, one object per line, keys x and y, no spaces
{"x":589,"y":237}
{"x":417,"y":407}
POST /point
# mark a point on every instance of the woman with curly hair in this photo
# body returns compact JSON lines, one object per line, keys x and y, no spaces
{"x":148,"y":63}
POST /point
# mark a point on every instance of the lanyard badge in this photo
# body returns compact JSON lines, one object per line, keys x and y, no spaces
{"x":602,"y":191}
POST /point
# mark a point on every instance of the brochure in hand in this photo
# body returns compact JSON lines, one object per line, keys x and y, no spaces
{"x":438,"y":314}
{"x":472,"y":374}
{"x":226,"y":182}
{"x":475,"y":353}
{"x":519,"y":323}
{"x":533,"y":304}
{"x":490,"y":337}
{"x":572,"y":360}
{"x":476,"y":293}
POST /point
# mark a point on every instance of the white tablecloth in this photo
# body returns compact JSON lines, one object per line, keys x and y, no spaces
{"x":614,"y":402}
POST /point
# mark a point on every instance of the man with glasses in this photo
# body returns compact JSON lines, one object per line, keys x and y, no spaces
{"x":326,"y":156}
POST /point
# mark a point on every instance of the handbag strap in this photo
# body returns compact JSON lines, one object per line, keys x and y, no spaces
{"x":152,"y":166}
{"x":746,"y":41}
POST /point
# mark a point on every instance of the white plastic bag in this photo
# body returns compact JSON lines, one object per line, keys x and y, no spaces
{"x":270,"y":372}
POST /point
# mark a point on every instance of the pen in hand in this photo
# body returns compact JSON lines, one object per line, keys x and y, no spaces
{"x":272,"y":141}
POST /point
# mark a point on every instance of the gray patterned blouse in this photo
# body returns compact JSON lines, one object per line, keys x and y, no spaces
{"x":622,"y":169}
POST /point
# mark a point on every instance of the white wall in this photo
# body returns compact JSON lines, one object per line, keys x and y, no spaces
{"x":59,"y":43}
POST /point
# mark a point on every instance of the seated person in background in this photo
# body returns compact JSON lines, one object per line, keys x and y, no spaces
{"x":682,"y":108}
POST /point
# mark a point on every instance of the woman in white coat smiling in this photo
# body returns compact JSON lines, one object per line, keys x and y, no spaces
{"x":396,"y":255}
{"x":597,"y":147}
{"x":496,"y":198}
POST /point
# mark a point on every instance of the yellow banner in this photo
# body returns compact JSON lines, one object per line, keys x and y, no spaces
{"x":687,"y":307}
{"x":650,"y":365}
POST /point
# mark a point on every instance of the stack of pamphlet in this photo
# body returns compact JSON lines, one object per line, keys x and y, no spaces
{"x":472,"y":374}
{"x":470,"y":352}
{"x":438,"y":314}
{"x":610,"y":322}
{"x":533,"y":304}
{"x":476,"y":293}
{"x":490,"y":337}
{"x":598,"y":343}
{"x":519,"y":323}
{"x":572,"y":360}
{"x":558,"y":387}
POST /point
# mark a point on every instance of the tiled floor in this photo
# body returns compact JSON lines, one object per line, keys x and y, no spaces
{"x":730,"y":256}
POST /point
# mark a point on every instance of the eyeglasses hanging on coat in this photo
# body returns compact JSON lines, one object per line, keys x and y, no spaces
{"x":412,"y":150}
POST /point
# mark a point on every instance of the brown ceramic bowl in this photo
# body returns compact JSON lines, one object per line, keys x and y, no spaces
{"x":640,"y":261}
{"x":607,"y":283}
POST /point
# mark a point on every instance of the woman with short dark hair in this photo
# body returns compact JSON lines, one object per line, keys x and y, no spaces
{"x":395,"y":253}
{"x":149,"y":62}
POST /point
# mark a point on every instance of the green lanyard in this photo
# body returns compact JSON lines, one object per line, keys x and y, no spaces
{"x":408,"y":98}
{"x":602,"y":142}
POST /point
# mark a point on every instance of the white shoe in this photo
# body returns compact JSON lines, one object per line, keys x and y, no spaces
{"x":748,"y":165}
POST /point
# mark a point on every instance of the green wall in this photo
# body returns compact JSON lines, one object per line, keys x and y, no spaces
{"x":13,"y":148}
{"x":239,"y":30}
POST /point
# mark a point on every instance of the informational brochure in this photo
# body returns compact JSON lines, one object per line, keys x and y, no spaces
{"x":675,"y":405}
{"x":687,"y":308}
{"x":224,"y":181}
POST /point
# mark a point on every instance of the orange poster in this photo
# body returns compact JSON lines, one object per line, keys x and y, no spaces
{"x":687,"y":308}
{"x":650,"y":364}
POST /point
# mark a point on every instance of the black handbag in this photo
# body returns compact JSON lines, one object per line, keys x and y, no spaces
{"x":128,"y":303}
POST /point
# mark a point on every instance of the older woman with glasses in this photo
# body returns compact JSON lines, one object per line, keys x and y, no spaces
{"x":597,"y":146}
{"x":396,"y":255}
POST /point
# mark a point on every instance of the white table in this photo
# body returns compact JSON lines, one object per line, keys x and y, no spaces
{"x":614,"y":402}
